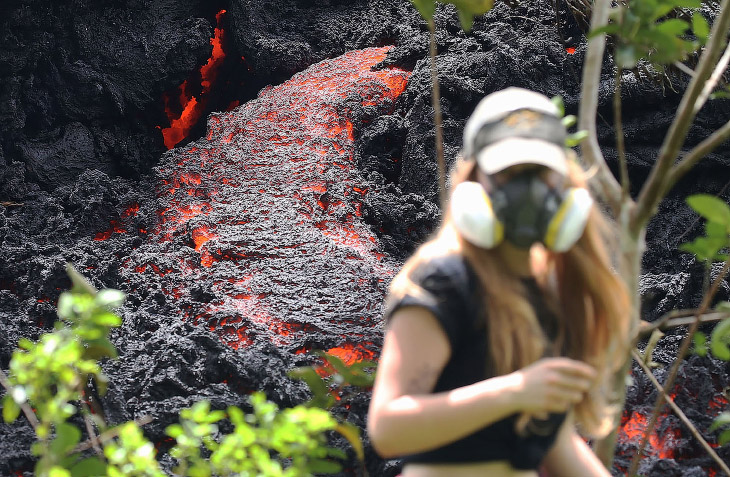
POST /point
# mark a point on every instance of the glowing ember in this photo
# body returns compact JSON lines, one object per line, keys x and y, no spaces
{"x":661,"y":445}
{"x":192,"y":106}
{"x":350,"y":353}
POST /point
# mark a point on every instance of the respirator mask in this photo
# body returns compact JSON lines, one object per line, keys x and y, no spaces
{"x":524,"y":210}
{"x":508,"y":128}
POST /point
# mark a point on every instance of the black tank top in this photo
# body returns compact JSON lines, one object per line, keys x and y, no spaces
{"x":453,"y":297}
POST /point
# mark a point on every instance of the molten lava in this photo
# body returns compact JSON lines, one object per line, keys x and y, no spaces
{"x":192,"y":107}
{"x":264,"y":216}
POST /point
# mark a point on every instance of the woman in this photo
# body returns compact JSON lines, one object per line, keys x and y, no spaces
{"x":505,"y":328}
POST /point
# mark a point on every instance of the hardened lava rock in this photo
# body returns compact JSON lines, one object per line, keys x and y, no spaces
{"x":274,"y":228}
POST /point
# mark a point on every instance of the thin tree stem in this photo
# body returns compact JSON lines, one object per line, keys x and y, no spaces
{"x":620,"y":143}
{"x":714,"y":78}
{"x":684,"y":347}
{"x":438,"y":120}
{"x":29,"y":414}
{"x":108,"y":435}
{"x":678,"y":411}
{"x":93,"y":438}
{"x":696,"y":155}
{"x":677,"y":318}
{"x":590,"y":82}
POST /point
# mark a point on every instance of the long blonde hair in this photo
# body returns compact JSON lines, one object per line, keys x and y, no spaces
{"x":590,"y":302}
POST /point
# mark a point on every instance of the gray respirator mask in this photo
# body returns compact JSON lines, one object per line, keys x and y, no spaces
{"x":524,"y":210}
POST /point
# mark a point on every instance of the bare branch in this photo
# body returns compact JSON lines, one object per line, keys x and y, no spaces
{"x":620,"y":143}
{"x":109,"y":435}
{"x":438,"y":120}
{"x":677,"y":318}
{"x":651,"y":192}
{"x":678,"y":411}
{"x":29,"y":414}
{"x":684,"y":68}
{"x":714,"y":78}
{"x":93,"y":438}
{"x":590,"y":150}
{"x":683,"y":348}
{"x":696,"y":155}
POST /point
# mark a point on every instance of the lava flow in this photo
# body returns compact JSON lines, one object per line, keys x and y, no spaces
{"x":260,"y":233}
{"x":190,"y":106}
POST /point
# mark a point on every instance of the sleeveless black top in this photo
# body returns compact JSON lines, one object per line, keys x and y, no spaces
{"x":453,"y":297}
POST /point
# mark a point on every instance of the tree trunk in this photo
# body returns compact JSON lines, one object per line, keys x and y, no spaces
{"x":632,"y":244}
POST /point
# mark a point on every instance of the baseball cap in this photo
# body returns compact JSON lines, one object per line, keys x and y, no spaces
{"x":515,"y":126}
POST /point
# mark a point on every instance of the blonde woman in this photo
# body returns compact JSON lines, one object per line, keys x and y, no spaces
{"x":505,"y":328}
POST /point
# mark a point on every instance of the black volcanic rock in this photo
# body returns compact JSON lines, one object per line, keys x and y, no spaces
{"x":79,"y":79}
{"x":84,"y":179}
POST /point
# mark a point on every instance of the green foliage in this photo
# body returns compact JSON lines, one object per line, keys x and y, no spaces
{"x":259,"y":444}
{"x":708,"y":248}
{"x":717,"y":228}
{"x":721,"y":421}
{"x":51,"y":375}
{"x":643,"y":30}
{"x":131,"y":454}
{"x":569,"y":121}
{"x":467,"y":9}
{"x":333,"y":383}
{"x":47,"y":379}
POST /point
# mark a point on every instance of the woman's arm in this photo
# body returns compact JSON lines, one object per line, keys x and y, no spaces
{"x":404,"y":416}
{"x":571,"y":456}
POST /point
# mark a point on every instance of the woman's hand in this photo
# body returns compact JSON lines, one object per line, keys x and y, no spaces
{"x":552,"y":385}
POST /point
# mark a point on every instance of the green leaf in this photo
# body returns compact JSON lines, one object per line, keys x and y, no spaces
{"x":335,"y":362}
{"x":627,"y":56}
{"x":352,"y":434}
{"x":699,"y":341}
{"x":58,"y":472}
{"x":80,"y":284}
{"x":569,"y":121}
{"x":610,"y":29}
{"x":558,"y":102}
{"x":721,"y":420}
{"x":710,"y":207}
{"x":574,"y":139}
{"x":307,"y":374}
{"x":107,"y":319}
{"x":319,"y":466}
{"x":11,"y":410}
{"x":65,"y":309}
{"x":700,"y":27}
{"x":687,"y":3}
{"x":110,"y":298}
{"x":67,"y":436}
{"x":89,"y":467}
{"x":100,"y":348}
{"x":468,"y":9}
{"x":720,"y":340}
{"x":724,"y":437}
{"x":426,"y":8}
{"x":673,"y":26}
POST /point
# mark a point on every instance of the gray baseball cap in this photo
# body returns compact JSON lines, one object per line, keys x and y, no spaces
{"x":516,"y":126}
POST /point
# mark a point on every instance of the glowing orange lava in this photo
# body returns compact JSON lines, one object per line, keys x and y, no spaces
{"x":351,"y":353}
{"x":193,"y":107}
{"x":288,"y":156}
{"x":632,"y":430}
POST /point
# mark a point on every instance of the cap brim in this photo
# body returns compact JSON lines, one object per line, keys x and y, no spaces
{"x":512,"y":151}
